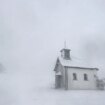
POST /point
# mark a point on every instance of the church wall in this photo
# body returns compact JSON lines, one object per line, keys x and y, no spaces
{"x":80,"y":83}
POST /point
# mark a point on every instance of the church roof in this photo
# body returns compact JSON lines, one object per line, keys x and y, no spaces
{"x":76,"y":63}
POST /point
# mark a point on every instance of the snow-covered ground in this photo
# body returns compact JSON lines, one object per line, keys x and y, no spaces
{"x":32,"y":89}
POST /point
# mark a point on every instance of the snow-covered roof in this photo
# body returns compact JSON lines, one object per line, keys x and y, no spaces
{"x":75,"y":63}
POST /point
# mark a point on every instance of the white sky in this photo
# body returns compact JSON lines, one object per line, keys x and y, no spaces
{"x":32,"y":32}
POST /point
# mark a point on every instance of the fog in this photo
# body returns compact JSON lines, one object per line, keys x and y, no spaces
{"x":32,"y":32}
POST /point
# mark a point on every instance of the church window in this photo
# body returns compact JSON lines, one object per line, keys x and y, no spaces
{"x":95,"y":76}
{"x":85,"y":77}
{"x":74,"y":76}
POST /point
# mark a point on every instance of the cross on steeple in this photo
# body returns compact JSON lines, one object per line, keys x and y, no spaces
{"x":65,"y":44}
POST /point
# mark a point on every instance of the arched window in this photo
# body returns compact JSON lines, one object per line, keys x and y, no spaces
{"x":85,"y":77}
{"x":74,"y":76}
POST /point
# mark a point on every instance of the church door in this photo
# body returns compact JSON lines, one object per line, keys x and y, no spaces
{"x":58,"y":81}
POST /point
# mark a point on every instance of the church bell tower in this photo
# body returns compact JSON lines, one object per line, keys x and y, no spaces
{"x":65,"y":54}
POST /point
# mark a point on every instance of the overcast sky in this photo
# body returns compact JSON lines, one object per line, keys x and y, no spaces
{"x":32,"y":32}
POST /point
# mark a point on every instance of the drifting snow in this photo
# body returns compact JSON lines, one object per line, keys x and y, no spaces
{"x":30,"y":89}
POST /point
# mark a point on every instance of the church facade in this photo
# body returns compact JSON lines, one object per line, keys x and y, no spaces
{"x":71,"y":74}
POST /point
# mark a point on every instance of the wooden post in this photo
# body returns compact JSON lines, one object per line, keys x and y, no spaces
{"x":66,"y":79}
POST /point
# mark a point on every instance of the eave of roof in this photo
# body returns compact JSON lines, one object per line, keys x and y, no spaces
{"x":81,"y":67}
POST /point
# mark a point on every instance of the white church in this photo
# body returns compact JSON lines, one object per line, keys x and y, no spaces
{"x":72,"y":74}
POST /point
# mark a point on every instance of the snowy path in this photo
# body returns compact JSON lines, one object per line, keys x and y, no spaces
{"x":29,"y":89}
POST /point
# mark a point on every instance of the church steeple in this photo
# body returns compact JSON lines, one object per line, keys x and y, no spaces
{"x":65,"y":53}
